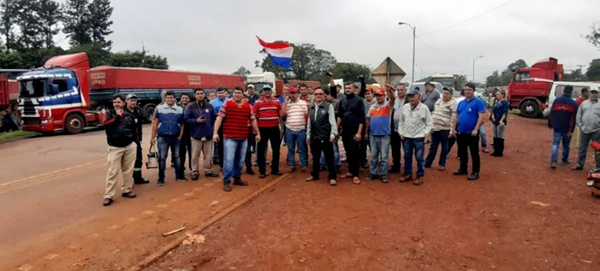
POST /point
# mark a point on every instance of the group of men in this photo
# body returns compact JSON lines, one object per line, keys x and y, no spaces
{"x":378,"y":118}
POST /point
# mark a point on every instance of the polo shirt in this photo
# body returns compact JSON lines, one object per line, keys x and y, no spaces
{"x":468,"y":113}
{"x":267,"y":112}
{"x":169,"y":118}
{"x":217,"y":103}
{"x":235,"y":119}
{"x":379,"y":119}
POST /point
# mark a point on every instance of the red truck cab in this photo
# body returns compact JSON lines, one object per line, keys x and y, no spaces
{"x":529,"y":87}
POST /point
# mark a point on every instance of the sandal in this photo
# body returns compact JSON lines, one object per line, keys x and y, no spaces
{"x":356,"y":180}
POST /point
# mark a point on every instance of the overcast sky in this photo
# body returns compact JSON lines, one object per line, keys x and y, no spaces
{"x":219,"y":36}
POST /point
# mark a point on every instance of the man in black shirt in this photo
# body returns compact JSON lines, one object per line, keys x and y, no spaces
{"x":120,"y":135}
{"x":351,"y":119}
{"x":138,"y":116}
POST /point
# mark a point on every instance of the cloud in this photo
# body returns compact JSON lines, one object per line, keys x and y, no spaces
{"x":219,"y":36}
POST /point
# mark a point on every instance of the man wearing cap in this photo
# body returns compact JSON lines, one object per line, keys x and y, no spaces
{"x":443,"y":115}
{"x":379,"y":129}
{"x":138,"y":117}
{"x":470,"y":113}
{"x":296,"y":111}
{"x":414,"y":127}
{"x":267,"y":111}
{"x":430,"y":96}
{"x":589,"y":127}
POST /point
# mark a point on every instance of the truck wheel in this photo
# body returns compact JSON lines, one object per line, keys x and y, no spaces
{"x":74,"y":124}
{"x":149,"y":111}
{"x":530,"y":109}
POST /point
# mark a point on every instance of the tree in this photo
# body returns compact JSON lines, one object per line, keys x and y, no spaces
{"x":76,"y":20}
{"x":460,"y":80}
{"x":97,"y":55}
{"x":49,"y":15}
{"x":575,"y":76}
{"x":29,"y":27}
{"x":594,"y":36}
{"x":516,"y":65}
{"x":242,"y":71}
{"x":308,"y":62}
{"x":593,"y":72}
{"x":9,"y":14}
{"x":137,"y":59}
{"x":11,"y":60}
{"x":100,"y":12}
{"x":350,"y":71}
{"x":503,"y":78}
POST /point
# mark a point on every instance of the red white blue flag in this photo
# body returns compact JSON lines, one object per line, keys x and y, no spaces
{"x":279,"y":52}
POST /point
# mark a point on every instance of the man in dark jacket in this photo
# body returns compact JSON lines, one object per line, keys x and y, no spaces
{"x":320,"y":133}
{"x":120,"y":130}
{"x":351,"y":119}
{"x":200,"y":117}
{"x":138,"y":116}
{"x":185,"y":144}
{"x":562,"y":119}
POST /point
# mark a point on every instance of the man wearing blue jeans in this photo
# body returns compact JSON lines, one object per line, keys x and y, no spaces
{"x":167,"y":126}
{"x":379,"y":117}
{"x":296,"y":112}
{"x":414,"y":127}
{"x":443,"y":115}
{"x":336,"y":158}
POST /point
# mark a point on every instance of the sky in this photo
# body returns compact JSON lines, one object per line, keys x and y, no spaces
{"x":220,"y":36}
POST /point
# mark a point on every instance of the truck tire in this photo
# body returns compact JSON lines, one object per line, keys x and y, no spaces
{"x":148,"y":111}
{"x":74,"y":124}
{"x":530,"y":109}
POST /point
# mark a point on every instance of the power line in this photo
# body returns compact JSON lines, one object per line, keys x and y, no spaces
{"x":468,"y":19}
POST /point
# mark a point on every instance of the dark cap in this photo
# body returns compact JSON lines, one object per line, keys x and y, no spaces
{"x":131,"y":96}
{"x":413,"y":92}
{"x":429,"y":83}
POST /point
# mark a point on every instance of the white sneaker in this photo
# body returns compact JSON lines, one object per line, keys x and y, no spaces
{"x":591,"y":183}
{"x":332,"y":182}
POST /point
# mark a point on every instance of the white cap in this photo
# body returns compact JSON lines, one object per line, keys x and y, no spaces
{"x":250,"y":86}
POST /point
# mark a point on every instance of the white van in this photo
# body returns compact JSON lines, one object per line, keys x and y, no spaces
{"x":557,"y":91}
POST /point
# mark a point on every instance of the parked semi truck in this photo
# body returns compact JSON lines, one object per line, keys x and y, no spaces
{"x":259,"y":80}
{"x":66,"y":94}
{"x":529,"y":87}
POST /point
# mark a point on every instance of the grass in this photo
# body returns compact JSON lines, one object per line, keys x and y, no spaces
{"x":16,"y":135}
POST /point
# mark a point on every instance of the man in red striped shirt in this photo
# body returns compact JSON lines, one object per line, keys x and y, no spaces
{"x":234,"y":116}
{"x":268,"y":116}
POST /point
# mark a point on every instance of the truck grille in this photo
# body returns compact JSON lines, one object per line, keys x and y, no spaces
{"x":28,"y":121}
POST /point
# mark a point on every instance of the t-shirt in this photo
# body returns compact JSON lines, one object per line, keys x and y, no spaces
{"x":468,"y":113}
{"x":296,"y":115}
{"x":267,"y":112}
{"x":217,"y":103}
{"x":430,"y":98}
{"x":379,"y":118}
{"x":235,"y":119}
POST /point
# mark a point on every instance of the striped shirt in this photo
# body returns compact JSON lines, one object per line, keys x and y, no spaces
{"x":443,"y":114}
{"x":235,"y":119}
{"x":296,"y":115}
{"x":267,"y":112}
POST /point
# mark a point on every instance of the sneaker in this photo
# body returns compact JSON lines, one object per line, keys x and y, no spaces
{"x":211,"y":174}
{"x":372,"y":177}
{"x":591,"y":183}
{"x":262,"y":176}
{"x":384,"y":179}
{"x":249,"y":171}
{"x":553,"y":165}
{"x":332,"y":182}
{"x":459,"y":173}
{"x":577,"y":168}
{"x":310,"y":179}
{"x":566,"y":162}
{"x":195,"y":175}
{"x":129,"y":194}
{"x":227,"y":188}
{"x":181,"y":179}
{"x":474,"y":176}
{"x":277,"y":173}
{"x":161,"y":182}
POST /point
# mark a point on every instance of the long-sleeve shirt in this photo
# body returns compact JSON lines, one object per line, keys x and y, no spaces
{"x":443,"y":114}
{"x":352,"y":113}
{"x":563,"y":114}
{"x":588,"y":116}
{"x":319,"y":122}
{"x":415,"y":122}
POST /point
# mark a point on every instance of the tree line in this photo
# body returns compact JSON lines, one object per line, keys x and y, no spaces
{"x":28,"y":29}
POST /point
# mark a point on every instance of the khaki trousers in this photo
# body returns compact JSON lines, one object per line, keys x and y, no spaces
{"x":120,"y":161}
{"x":206,"y":148}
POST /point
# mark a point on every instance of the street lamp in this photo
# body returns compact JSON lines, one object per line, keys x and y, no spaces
{"x":414,"y":29}
{"x":474,"y":67}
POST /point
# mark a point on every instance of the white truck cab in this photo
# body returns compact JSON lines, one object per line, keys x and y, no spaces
{"x":557,"y":91}
{"x":259,"y":80}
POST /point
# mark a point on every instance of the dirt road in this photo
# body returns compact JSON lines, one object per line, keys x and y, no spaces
{"x":521,"y":215}
{"x":53,"y":219}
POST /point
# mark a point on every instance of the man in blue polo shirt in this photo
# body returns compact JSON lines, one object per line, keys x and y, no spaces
{"x":469,"y":117}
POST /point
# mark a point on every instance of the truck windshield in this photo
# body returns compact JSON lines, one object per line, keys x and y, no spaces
{"x":522,"y":76}
{"x":33,"y":88}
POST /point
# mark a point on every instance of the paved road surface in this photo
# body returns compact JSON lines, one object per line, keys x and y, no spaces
{"x":52,"y":217}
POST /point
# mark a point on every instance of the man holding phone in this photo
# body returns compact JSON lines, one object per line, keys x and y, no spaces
{"x":200,"y":116}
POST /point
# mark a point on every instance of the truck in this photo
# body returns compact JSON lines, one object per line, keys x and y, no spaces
{"x":259,"y":80}
{"x":66,"y":95}
{"x":529,"y":87}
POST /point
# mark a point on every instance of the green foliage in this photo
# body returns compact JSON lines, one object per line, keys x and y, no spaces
{"x":594,"y":36}
{"x":575,"y":76}
{"x":49,"y":15}
{"x":350,"y":71}
{"x":99,"y":22}
{"x":308,"y":63}
{"x":97,"y":55}
{"x":242,"y":71}
{"x":77,"y":22}
{"x":11,"y":60}
{"x":138,"y":59}
{"x":593,"y":72}
{"x":460,"y":80}
{"x":7,"y":27}
{"x":503,"y":78}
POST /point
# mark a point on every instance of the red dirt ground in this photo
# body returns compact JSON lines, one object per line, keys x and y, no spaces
{"x":521,"y":215}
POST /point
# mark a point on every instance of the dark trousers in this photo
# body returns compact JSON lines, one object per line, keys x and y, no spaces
{"x":438,"y":138}
{"x":251,"y":146}
{"x":364,"y":143}
{"x":139,"y":161}
{"x":325,"y":146}
{"x":396,"y":145}
{"x":352,"y":153}
{"x":468,"y":143}
{"x":451,"y":142}
{"x":185,"y":148}
{"x":273,"y":135}
{"x":220,"y":146}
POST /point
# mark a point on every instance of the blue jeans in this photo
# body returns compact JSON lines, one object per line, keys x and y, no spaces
{"x":234,"y":153}
{"x":380,"y":145}
{"x":437,"y":138}
{"x":336,"y":155}
{"x":416,"y":146}
{"x":483,"y":136}
{"x":295,"y":139}
{"x":164,"y":143}
{"x":566,"y":141}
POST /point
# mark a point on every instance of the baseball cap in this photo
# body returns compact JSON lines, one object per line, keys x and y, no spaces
{"x":594,"y":89}
{"x":267,"y":87}
{"x":131,"y":96}
{"x":413,"y":92}
{"x":293,"y":90}
{"x":429,"y":83}
{"x":250,"y":86}
{"x":378,"y":91}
